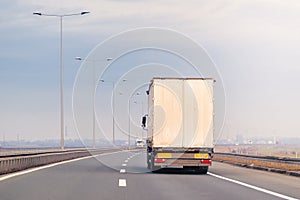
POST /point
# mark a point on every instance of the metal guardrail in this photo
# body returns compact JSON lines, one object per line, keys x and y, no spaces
{"x":282,"y":165}
{"x":39,"y":152}
{"x":261,"y":157}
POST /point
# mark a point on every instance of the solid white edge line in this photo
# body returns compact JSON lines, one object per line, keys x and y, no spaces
{"x":253,"y":187}
{"x":27,"y":171}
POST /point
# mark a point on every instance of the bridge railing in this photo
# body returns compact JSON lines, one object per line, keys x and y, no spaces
{"x":13,"y":163}
{"x":267,"y":163}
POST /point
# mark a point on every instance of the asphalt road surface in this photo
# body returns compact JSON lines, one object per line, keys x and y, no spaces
{"x":124,"y":176}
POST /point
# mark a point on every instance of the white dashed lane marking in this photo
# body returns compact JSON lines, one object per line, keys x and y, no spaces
{"x":122,"y":182}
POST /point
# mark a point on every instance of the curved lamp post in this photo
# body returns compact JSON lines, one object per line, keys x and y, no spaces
{"x":62,"y":145}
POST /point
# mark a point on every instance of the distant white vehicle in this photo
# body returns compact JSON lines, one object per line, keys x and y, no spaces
{"x":139,"y":143}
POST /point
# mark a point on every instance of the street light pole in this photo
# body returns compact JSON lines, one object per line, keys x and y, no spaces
{"x":129,"y":113}
{"x":62,"y":134}
{"x":129,"y":124}
{"x":62,"y":123}
{"x":94,"y":82}
{"x":113,"y":109}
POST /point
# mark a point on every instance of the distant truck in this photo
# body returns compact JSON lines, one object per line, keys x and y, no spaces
{"x":179,"y":123}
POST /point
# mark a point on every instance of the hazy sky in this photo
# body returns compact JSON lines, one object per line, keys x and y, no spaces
{"x":255,"y":45}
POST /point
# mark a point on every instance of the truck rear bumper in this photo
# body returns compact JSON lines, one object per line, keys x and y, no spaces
{"x":181,"y":162}
{"x":176,"y":157}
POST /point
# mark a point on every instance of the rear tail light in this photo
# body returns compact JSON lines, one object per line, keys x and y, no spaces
{"x":159,"y":160}
{"x":206,"y":161}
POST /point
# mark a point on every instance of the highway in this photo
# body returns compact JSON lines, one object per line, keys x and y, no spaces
{"x":123,"y":175}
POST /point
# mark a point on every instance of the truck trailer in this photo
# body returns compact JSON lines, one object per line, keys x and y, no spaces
{"x":179,"y":123}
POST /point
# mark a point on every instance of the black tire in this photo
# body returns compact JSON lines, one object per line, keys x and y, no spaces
{"x":202,"y":170}
{"x":154,"y":168}
{"x":148,"y":162}
{"x":196,"y":169}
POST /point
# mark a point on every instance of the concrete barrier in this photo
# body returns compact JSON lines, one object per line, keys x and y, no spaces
{"x":13,"y":164}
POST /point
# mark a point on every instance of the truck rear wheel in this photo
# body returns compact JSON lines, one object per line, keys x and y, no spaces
{"x":153,"y":167}
{"x":148,"y":162}
{"x":197,"y":169}
{"x":202,"y":170}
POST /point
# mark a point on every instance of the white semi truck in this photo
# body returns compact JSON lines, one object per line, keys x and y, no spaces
{"x":179,"y":123}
